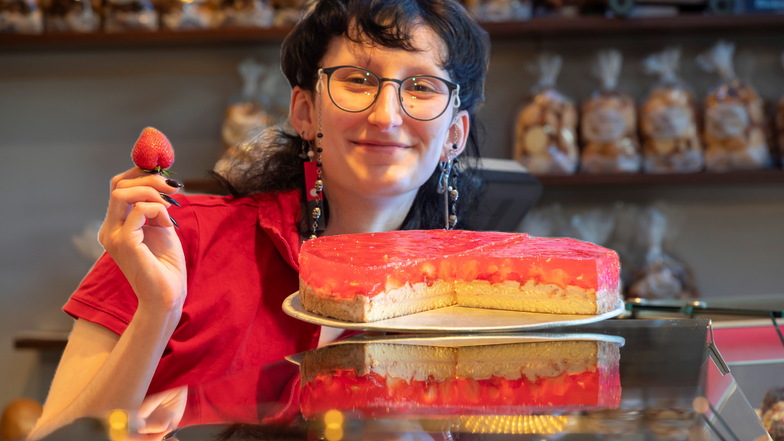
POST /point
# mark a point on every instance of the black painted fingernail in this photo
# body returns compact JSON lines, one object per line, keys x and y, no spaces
{"x":174,"y":183}
{"x":170,"y":199}
{"x":174,"y":222}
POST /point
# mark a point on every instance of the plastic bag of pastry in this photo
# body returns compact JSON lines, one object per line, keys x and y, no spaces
{"x":780,"y":123}
{"x":625,"y":239}
{"x":129,"y":15}
{"x":500,"y":10}
{"x":248,"y":114}
{"x":247,"y":13}
{"x":668,"y":119}
{"x":593,"y":226}
{"x":662,"y":276}
{"x":71,"y":16}
{"x":609,"y":122}
{"x":544,"y":136}
{"x":21,"y":17}
{"x":735,"y":135}
{"x":547,"y":221}
{"x":235,"y":165}
{"x":188,"y":14}
{"x":288,"y":12}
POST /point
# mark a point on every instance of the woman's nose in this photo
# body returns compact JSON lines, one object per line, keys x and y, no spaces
{"x":386,"y":112}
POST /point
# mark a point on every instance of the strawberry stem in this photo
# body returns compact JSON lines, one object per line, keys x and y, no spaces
{"x":158,"y":171}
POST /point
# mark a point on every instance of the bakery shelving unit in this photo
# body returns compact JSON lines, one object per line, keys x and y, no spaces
{"x":548,"y":27}
{"x":735,"y":178}
{"x":762,"y":176}
{"x":545,"y":27}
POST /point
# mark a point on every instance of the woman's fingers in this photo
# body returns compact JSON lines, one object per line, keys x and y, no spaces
{"x":123,"y":199}
{"x":139,"y":177}
{"x":127,"y":228}
{"x":147,"y":213}
{"x":122,"y":203}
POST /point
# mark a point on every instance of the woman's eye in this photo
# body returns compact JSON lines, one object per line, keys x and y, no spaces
{"x":422,"y":87}
{"x":356,"y":80}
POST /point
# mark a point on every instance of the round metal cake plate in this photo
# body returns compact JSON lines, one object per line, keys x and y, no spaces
{"x":459,"y":340}
{"x":453,"y":319}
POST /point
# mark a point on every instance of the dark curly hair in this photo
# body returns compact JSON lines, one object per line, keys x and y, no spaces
{"x":388,"y":23}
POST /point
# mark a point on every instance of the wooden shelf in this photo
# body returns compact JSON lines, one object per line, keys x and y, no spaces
{"x":150,"y":39}
{"x":41,"y":340}
{"x":208,"y":186}
{"x":598,"y":25}
{"x":544,"y":26}
{"x":766,"y":176}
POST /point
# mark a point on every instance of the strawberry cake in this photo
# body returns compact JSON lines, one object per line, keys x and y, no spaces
{"x":375,"y":276}
{"x":377,"y":379}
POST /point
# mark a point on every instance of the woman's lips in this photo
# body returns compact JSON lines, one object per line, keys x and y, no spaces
{"x":378,"y":144}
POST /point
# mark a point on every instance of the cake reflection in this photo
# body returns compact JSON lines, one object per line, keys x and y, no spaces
{"x":472,"y":380}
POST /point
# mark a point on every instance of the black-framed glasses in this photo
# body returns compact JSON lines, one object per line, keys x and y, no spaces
{"x":422,"y":97}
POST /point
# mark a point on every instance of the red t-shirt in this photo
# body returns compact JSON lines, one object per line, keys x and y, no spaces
{"x":241,"y":255}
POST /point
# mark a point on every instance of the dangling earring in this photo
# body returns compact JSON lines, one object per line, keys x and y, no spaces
{"x":453,"y":193}
{"x":314,"y":186}
{"x":447,"y":185}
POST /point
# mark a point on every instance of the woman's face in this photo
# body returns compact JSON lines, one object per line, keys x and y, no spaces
{"x":381,"y":151}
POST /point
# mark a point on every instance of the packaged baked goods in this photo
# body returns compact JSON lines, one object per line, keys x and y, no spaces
{"x":735,"y":135}
{"x":668,"y":119}
{"x":662,"y":276}
{"x":500,"y":10}
{"x":608,"y":126}
{"x":772,"y":413}
{"x":288,"y":12}
{"x":545,"y":127}
{"x":71,"y":16}
{"x":21,"y":17}
{"x":188,"y":14}
{"x":129,"y":15}
{"x":247,"y":114}
{"x":247,"y":13}
{"x":780,"y":123}
{"x":625,"y":239}
{"x":545,"y":221}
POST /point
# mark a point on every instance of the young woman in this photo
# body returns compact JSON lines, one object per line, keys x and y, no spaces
{"x":384,"y":96}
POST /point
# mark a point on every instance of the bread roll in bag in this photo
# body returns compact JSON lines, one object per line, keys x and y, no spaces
{"x":545,"y":126}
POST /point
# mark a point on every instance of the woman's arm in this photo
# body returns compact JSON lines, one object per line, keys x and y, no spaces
{"x":101,"y":371}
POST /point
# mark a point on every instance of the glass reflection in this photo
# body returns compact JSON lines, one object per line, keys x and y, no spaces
{"x":446,"y":376}
{"x":634,"y":380}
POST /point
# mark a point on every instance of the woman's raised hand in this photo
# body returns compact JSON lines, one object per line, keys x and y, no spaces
{"x":140,"y":236}
{"x":138,"y":232}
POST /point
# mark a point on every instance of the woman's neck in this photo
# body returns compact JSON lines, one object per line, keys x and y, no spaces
{"x":367,"y":215}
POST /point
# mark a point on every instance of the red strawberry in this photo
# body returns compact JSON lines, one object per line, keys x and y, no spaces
{"x":153,"y":152}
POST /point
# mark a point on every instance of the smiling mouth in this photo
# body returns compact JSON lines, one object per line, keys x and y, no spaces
{"x":377,"y":144}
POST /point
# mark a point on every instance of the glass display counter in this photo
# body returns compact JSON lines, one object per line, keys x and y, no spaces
{"x":620,"y":379}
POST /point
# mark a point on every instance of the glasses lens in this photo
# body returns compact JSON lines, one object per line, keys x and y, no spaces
{"x":424,"y":97}
{"x":353,"y":89}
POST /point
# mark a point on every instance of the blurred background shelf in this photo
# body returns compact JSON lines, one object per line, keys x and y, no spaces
{"x":41,"y":340}
{"x":767,"y":176}
{"x":540,"y":26}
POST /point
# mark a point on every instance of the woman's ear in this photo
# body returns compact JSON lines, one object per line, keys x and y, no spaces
{"x":457,"y":135}
{"x":301,"y":112}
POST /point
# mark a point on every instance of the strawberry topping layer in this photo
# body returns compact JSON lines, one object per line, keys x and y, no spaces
{"x":373,"y":394}
{"x":345,"y":266}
